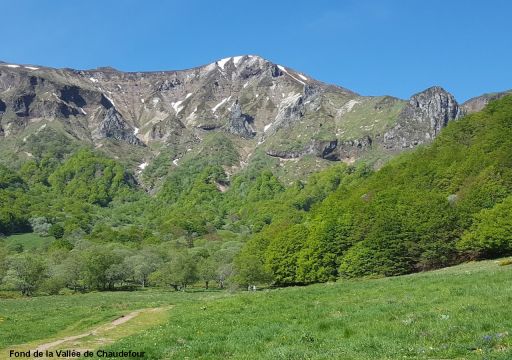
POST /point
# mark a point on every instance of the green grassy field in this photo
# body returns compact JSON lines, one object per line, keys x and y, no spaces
{"x":29,"y":241}
{"x":461,"y":312}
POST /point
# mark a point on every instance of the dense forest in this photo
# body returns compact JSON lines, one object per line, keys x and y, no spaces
{"x":436,"y":206}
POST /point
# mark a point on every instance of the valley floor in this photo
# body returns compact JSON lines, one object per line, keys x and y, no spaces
{"x":462,"y":312}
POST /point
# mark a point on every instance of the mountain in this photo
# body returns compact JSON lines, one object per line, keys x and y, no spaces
{"x":478,"y":103}
{"x":438,"y":205}
{"x":224,"y":194}
{"x":261,"y":108}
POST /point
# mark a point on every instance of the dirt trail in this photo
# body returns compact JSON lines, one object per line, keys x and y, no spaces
{"x":105,"y":334}
{"x":94,"y":332}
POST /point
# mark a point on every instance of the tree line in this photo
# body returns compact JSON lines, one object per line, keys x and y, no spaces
{"x":436,"y":206}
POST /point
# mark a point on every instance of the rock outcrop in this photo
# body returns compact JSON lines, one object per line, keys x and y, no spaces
{"x":240,"y":124}
{"x":256,"y":103}
{"x":422,"y":119}
{"x":350,"y":150}
{"x":478,"y":103}
{"x":113,"y":126}
{"x":322,"y":149}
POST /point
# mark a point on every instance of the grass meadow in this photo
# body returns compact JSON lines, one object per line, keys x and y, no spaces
{"x":29,"y":241}
{"x":463,"y":312}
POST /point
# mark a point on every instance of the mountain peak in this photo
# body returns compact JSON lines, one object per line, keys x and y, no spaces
{"x":263,"y":107}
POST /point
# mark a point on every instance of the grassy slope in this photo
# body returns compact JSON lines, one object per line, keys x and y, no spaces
{"x":30,"y":241}
{"x":47,"y":317}
{"x":461,"y":312}
{"x":442,"y":314}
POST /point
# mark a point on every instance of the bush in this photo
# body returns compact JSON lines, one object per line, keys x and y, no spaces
{"x":40,"y":225}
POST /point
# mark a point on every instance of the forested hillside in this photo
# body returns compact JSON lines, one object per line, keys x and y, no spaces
{"x":438,"y":205}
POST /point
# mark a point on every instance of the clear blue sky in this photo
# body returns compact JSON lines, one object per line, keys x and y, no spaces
{"x":395,"y":47}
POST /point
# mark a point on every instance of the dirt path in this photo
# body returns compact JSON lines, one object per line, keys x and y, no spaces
{"x":100,"y":329}
{"x":104,"y":334}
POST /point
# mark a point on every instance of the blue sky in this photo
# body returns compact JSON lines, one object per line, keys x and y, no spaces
{"x":394,"y":47}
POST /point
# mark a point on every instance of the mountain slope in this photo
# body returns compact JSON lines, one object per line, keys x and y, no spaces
{"x":260,"y":106}
{"x":433,"y":207}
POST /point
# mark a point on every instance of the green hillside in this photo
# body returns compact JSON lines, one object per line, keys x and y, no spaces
{"x":436,"y":206}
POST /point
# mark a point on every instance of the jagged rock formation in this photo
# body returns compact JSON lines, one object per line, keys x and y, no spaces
{"x":114,"y":126}
{"x":422,"y":119}
{"x":258,"y":104}
{"x":240,"y":124}
{"x":322,"y":149}
{"x":350,"y":150}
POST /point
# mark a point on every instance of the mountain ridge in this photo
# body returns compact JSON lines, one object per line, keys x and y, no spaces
{"x":257,"y":104}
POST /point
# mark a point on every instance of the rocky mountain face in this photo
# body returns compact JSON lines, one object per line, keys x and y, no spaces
{"x":422,"y":119}
{"x":259,"y":106}
{"x":478,"y":103}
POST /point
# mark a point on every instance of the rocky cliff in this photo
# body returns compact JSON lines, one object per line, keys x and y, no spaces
{"x":422,"y":119}
{"x":256,"y":104}
{"x":478,"y":103}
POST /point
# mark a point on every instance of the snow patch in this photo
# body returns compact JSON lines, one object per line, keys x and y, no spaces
{"x":110,"y":99}
{"x":143,"y":165}
{"x":303,"y":77}
{"x":237,"y":59}
{"x":135,"y":131}
{"x":210,"y":67}
{"x":246,"y":84}
{"x":29,"y":154}
{"x":177,"y":105}
{"x":175,"y":162}
{"x":83,"y":111}
{"x":12,"y":66}
{"x":220,"y":104}
{"x":93,"y":80}
{"x":267,"y":127}
{"x":223,"y":62}
{"x":282,"y":68}
{"x":31,"y":68}
{"x":142,"y":101}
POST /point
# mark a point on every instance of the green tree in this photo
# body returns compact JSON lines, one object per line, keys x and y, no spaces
{"x":250,"y":270}
{"x":56,"y":230}
{"x":491,"y":233}
{"x":97,"y":262}
{"x":281,"y":256}
{"x":40,"y":225}
{"x":25,"y":272}
{"x":143,"y":265}
{"x":179,"y":272}
{"x":207,"y":271}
